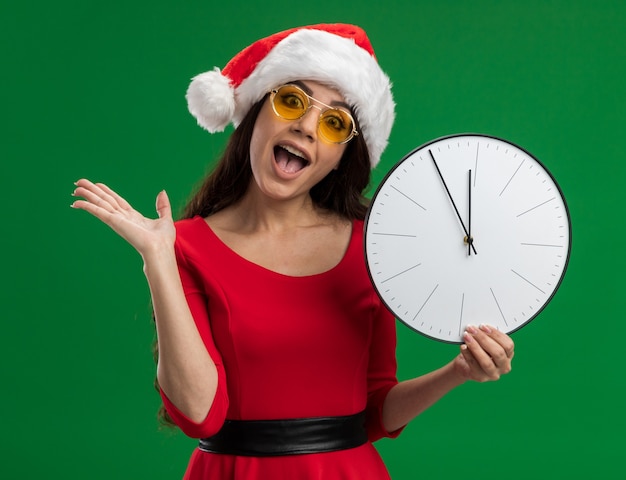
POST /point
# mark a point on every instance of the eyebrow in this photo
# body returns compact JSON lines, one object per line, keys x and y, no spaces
{"x":309,"y":92}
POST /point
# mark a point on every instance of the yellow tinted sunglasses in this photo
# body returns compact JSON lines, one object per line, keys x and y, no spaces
{"x":335,"y":125}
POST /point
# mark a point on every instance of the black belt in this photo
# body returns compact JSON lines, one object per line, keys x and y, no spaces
{"x":265,"y":438}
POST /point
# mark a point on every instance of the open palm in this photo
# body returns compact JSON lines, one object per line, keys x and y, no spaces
{"x":143,"y":233}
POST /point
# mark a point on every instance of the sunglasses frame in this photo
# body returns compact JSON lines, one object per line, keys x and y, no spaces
{"x":310,"y":105}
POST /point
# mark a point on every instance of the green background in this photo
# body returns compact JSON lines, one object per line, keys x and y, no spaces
{"x":96,"y":89}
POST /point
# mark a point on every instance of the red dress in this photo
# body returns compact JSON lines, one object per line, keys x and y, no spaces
{"x":286,"y":347}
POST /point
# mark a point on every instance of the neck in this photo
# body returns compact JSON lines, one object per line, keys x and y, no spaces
{"x":257,"y":212}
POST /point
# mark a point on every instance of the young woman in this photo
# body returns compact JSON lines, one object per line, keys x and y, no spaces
{"x":273,"y":348}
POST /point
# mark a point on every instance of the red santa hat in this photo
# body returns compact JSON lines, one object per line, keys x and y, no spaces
{"x":337,"y":55}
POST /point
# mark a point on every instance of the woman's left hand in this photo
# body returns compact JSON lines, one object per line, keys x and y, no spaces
{"x":486,"y":354}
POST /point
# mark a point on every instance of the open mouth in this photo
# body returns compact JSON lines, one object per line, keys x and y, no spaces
{"x":289,"y":159}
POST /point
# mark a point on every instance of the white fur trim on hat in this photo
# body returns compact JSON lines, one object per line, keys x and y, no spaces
{"x":211,"y":99}
{"x":305,"y":54}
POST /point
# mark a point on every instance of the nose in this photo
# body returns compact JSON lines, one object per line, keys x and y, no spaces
{"x":307,"y":123}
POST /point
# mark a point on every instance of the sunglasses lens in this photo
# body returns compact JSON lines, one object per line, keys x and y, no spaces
{"x":336,"y":125}
{"x":290,"y":102}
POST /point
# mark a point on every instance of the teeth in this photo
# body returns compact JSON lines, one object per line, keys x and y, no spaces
{"x":293,"y":151}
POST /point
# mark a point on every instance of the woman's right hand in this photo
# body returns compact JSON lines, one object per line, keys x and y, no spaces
{"x":186,"y":372}
{"x":144,"y":234}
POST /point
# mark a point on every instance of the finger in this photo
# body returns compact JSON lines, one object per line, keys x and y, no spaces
{"x":471,"y":367}
{"x":95,"y":194}
{"x":163,"y":206}
{"x":102,"y":202}
{"x":89,"y":185}
{"x":120,"y":200}
{"x":122,"y":224}
{"x":101,"y":213}
{"x":467,"y":356}
{"x":497,"y":345}
{"x":93,"y":198}
{"x":489,"y":356}
{"x":501,"y":338}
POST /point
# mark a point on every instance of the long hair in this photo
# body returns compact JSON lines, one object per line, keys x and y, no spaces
{"x":341,"y":191}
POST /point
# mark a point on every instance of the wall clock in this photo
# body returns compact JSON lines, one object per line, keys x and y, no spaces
{"x":467,"y":229}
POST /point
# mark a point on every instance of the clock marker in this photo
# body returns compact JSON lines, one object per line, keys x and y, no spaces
{"x":476,"y":162}
{"x":424,"y":304}
{"x":540,"y":245}
{"x":498,"y":305}
{"x":535,"y":207}
{"x":401,"y":273}
{"x":394,"y":234}
{"x":407,"y":197}
{"x":461,"y":316}
{"x":511,"y":179}
{"x":529,"y":282}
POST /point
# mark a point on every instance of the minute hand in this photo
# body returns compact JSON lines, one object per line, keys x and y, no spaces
{"x":452,"y":201}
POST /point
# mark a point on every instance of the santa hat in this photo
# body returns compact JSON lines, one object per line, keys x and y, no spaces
{"x":337,"y":55}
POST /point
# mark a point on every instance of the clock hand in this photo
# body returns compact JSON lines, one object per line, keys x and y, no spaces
{"x":471,"y":245}
{"x":470,"y":239}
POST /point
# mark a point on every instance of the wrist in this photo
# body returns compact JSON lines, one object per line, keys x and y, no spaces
{"x":455,"y":373}
{"x":158,"y":256}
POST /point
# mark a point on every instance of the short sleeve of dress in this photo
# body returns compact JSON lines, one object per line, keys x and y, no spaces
{"x":381,"y":371}
{"x":196,"y":296}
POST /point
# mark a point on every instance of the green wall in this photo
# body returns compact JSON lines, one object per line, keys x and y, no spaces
{"x":96,"y":89}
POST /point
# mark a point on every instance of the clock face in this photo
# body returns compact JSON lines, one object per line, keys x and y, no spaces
{"x":467,"y":229}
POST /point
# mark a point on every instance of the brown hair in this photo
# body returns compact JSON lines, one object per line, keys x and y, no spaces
{"x":341,"y":191}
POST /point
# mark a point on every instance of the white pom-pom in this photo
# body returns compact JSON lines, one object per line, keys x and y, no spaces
{"x":211,"y":99}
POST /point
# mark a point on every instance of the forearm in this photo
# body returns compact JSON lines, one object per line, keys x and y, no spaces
{"x":185,"y":371}
{"x":410,"y":398}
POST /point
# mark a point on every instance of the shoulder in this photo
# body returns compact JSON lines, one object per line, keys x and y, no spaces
{"x":357,"y":232}
{"x":357,"y":227}
{"x":187,"y":225}
{"x":192,"y":229}
{"x":354,"y":253}
{"x":192,"y":235}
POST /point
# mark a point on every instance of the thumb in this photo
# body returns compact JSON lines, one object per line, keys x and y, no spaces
{"x":163,"y":206}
